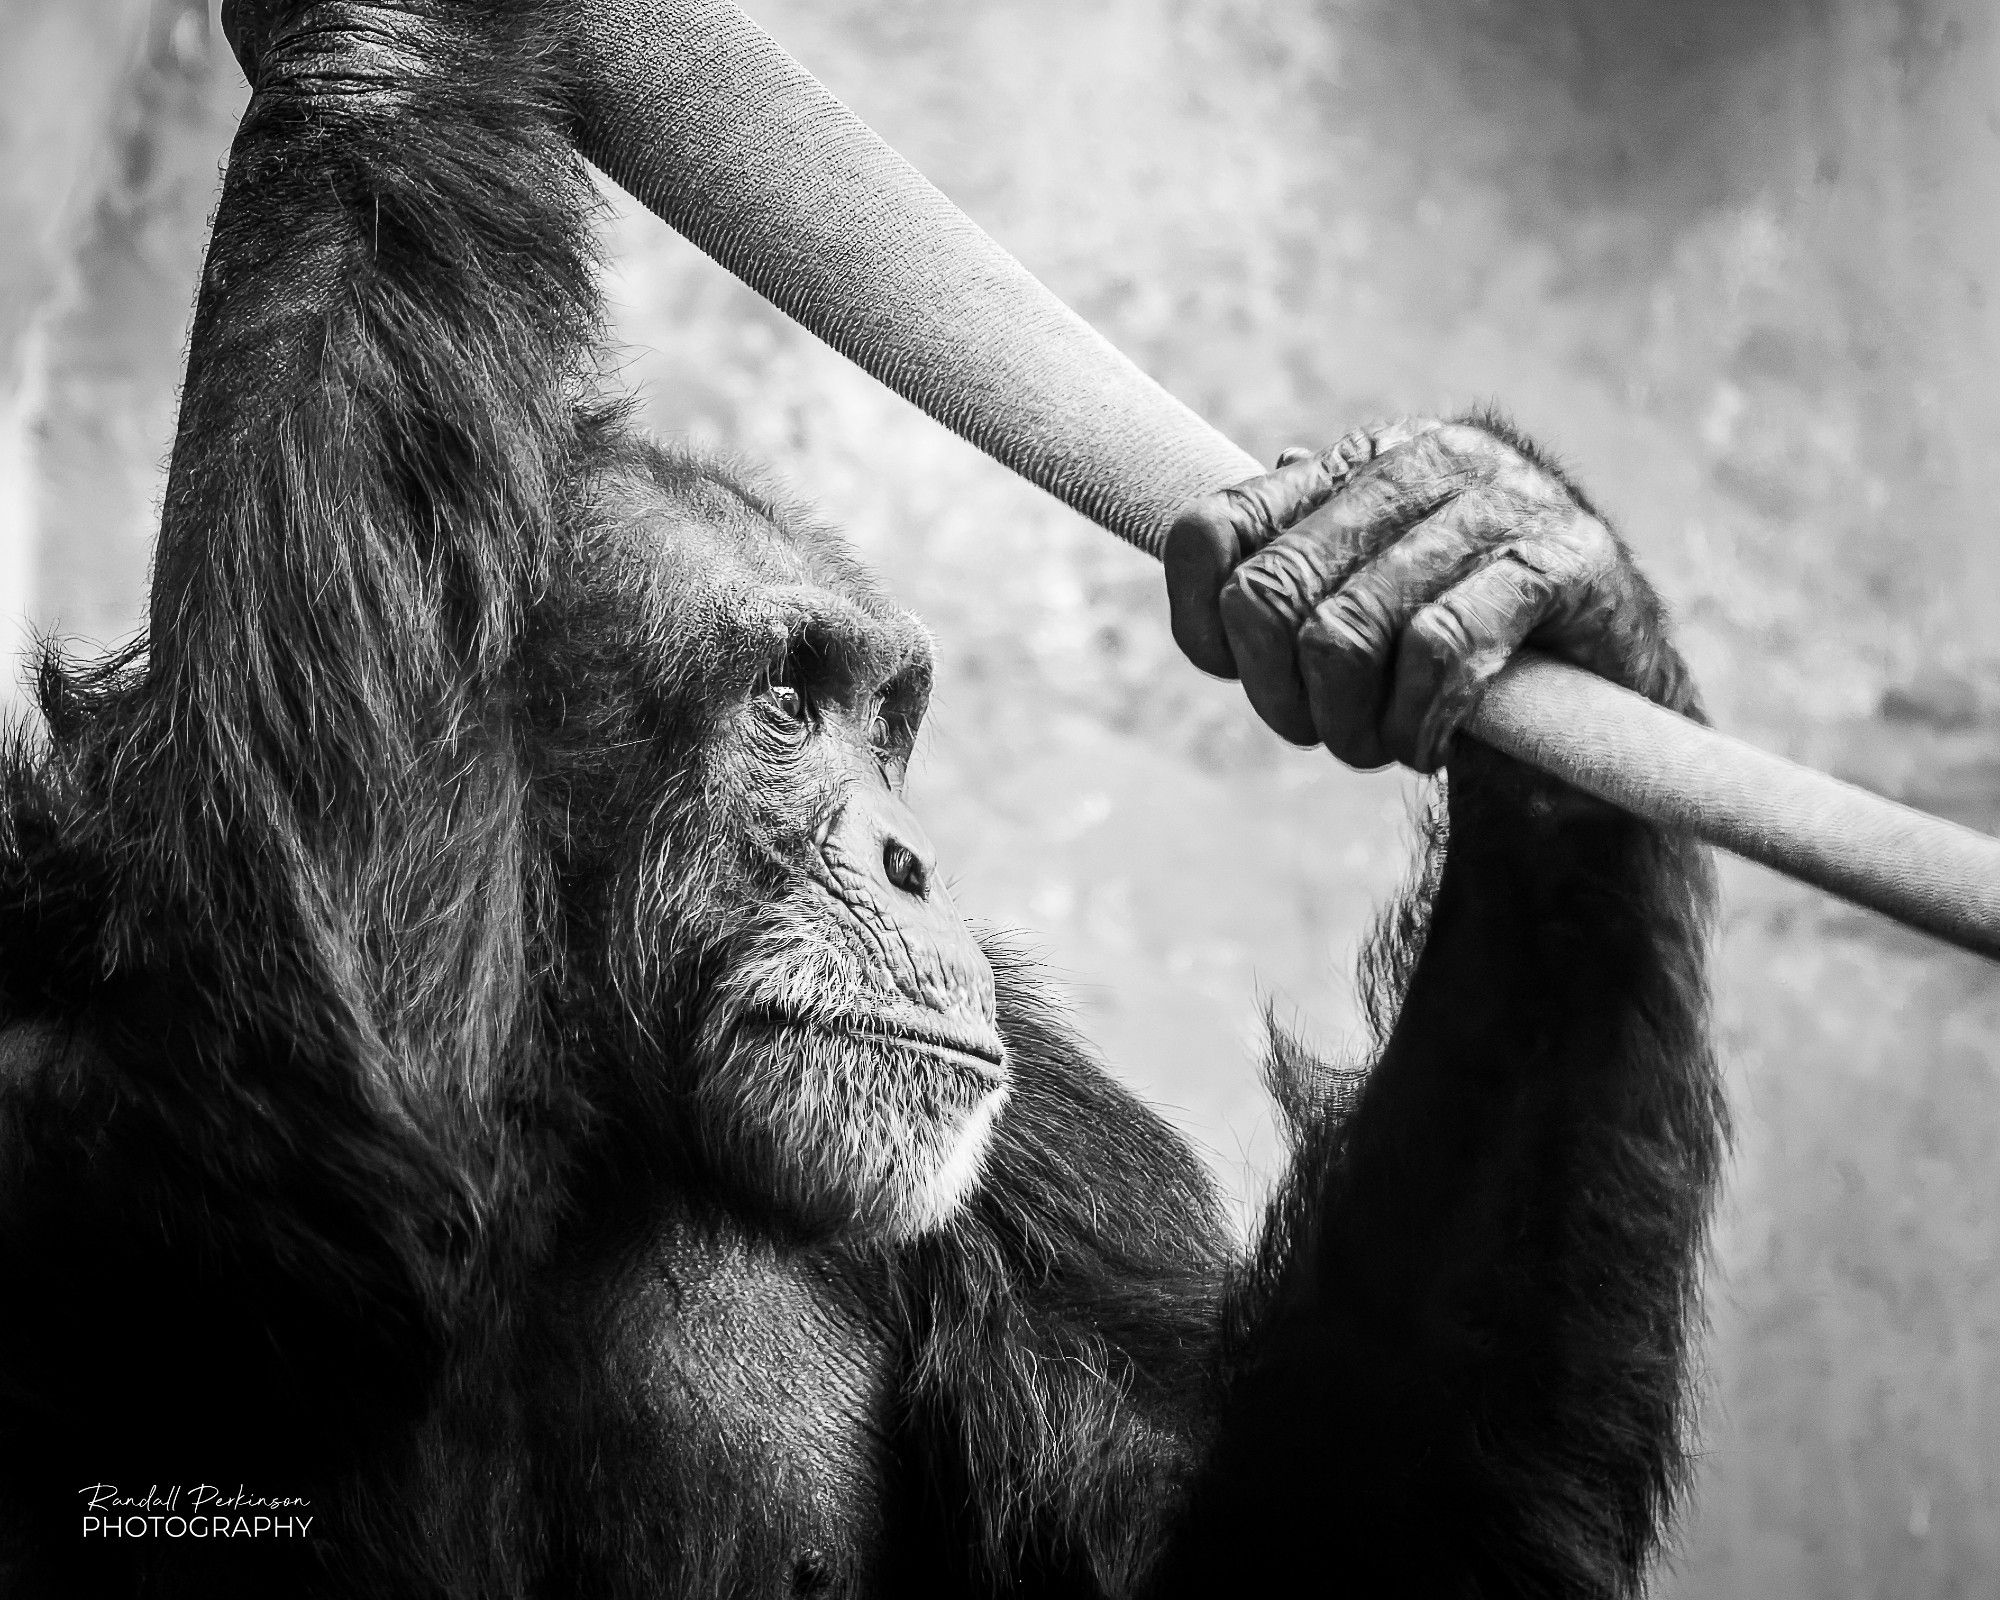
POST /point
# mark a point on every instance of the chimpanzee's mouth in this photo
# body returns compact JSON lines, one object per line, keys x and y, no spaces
{"x":978,"y":1049}
{"x":971,"y":1048}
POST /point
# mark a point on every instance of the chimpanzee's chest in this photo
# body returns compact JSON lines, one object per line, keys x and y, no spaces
{"x":770,"y":1392}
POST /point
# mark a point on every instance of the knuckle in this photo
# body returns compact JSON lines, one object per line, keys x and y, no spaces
{"x":1281,"y":580}
{"x":1395,"y":492}
{"x":1246,"y":614}
{"x":1467,"y":453}
{"x":1438,"y":634}
{"x":1543,"y":563}
{"x":1355,"y":448}
{"x":1528,"y":485}
{"x":1600,"y":547}
{"x":1482,"y":513}
{"x":1384,"y":437}
{"x":1239,"y":500}
{"x":1473,"y":442}
{"x":1537,"y":591}
{"x":1201,"y":522}
{"x":1565,"y":551}
{"x":1236,"y":605}
{"x":1253,"y":508}
{"x":1348,"y":625}
{"x":1431,"y":454}
{"x":1375,"y":503}
{"x":1439,"y":465}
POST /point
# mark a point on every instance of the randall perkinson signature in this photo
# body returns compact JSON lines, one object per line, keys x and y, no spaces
{"x":205,"y":1511}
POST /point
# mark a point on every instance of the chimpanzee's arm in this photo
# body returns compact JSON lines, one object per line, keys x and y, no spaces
{"x":267,"y":889}
{"x":378,"y":412}
{"x":1458,"y":1364}
{"x":1461,"y":1366}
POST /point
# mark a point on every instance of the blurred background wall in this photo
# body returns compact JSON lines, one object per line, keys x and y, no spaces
{"x":1740,"y":262}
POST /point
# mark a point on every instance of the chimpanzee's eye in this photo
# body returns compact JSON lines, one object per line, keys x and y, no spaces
{"x":779,"y":697}
{"x":786,"y":700}
{"x":880,"y":735}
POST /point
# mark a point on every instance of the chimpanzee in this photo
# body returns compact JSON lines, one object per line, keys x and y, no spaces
{"x":491,"y":1067}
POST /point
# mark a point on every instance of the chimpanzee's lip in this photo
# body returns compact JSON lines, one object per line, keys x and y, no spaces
{"x":977,"y":1048}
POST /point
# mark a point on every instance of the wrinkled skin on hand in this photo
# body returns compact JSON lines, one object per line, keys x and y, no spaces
{"x":1365,"y":594}
{"x":319,"y":47}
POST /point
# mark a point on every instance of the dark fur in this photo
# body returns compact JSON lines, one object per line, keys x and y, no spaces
{"x":362,"y":925}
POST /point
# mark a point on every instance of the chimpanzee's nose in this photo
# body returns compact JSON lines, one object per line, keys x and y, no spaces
{"x":907,"y":870}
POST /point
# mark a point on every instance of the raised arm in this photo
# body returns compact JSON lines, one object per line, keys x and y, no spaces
{"x":378,"y":412}
{"x":263,"y":904}
{"x":1461,"y":1365}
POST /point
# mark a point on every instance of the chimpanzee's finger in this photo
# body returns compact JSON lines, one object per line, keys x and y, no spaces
{"x":1281,"y":581}
{"x":1603,"y":608}
{"x":1257,"y":607}
{"x":1278,"y":499}
{"x":1388,"y":436}
{"x":1347,"y":647}
{"x":1271,"y":593}
{"x":1452,"y":647}
{"x":1203,"y":547}
{"x":1214,"y":535}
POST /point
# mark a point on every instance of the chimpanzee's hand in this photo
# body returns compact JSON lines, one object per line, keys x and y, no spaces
{"x":1367,"y":593}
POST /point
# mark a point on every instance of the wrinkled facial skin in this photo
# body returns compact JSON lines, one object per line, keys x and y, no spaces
{"x":833,"y":1017}
{"x":848,"y":1056}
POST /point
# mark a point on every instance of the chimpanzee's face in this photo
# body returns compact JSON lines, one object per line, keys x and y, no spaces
{"x":831,"y":1017}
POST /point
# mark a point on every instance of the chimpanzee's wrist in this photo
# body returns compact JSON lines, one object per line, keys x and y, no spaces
{"x":334,"y":50}
{"x":1522,"y":810}
{"x":1495,"y":796}
{"x":1632,"y":645}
